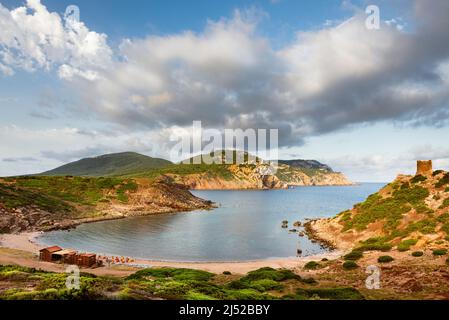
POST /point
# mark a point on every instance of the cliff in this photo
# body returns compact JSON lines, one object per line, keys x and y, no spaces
{"x":412,"y":211}
{"x":48,"y":203}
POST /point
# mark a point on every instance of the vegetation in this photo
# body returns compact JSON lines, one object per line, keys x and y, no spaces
{"x":443,"y":181}
{"x":385,"y":259}
{"x":406,"y":244}
{"x":417,"y":254}
{"x":350,"y":265}
{"x":418,"y":178}
{"x":375,"y":244}
{"x":61,"y":194}
{"x":20,"y":283}
{"x":354,"y":255}
{"x":312,"y":265}
{"x":118,"y":164}
{"x":439,"y":252}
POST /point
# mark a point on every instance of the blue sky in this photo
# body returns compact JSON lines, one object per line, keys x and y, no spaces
{"x":62,"y":102}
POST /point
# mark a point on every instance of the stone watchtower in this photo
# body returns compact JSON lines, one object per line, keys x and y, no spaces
{"x":424,"y":168}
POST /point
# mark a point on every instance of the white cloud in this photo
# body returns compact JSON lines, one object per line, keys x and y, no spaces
{"x":33,"y":38}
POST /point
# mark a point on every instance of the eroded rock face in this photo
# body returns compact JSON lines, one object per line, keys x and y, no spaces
{"x":161,"y":196}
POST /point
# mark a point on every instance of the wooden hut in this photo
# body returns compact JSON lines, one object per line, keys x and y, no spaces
{"x":46,"y":254}
{"x":65,"y":256}
{"x":86,"y":260}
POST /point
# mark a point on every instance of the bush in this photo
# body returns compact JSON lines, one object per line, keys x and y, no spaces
{"x":406,"y":244}
{"x":176,"y":274}
{"x":350,"y":265}
{"x":418,"y":178}
{"x":227,"y":273}
{"x":417,"y":254}
{"x":312,"y":265}
{"x":354,"y":255}
{"x":439,"y":252}
{"x":385,"y":259}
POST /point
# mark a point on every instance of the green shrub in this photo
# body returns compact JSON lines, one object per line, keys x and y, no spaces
{"x":385,"y":259}
{"x":174,"y":273}
{"x":437,"y":172}
{"x":354,"y":255}
{"x":443,"y":181}
{"x":270,"y":273}
{"x":418,"y":178}
{"x":417,"y":254}
{"x":312,"y":265}
{"x":439,"y":252}
{"x":350,"y":265}
{"x":406,"y":244}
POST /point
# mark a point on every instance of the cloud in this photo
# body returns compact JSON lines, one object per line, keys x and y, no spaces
{"x":229,"y":76}
{"x":19,"y":159}
{"x":33,"y":38}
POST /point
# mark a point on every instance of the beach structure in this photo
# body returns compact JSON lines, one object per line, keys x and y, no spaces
{"x":87,"y":260}
{"x":46,"y":254}
{"x":58,"y":255}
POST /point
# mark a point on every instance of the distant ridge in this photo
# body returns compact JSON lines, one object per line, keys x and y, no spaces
{"x":115,"y":164}
{"x":307,"y":164}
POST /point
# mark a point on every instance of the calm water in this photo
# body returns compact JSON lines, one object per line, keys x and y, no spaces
{"x":246,"y":226}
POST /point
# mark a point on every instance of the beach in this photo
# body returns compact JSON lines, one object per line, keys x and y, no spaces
{"x":21,"y":249}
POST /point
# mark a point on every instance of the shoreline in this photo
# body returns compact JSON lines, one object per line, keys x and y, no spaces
{"x":25,"y":242}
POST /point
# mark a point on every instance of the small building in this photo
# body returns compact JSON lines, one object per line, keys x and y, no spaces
{"x":87,"y":260}
{"x":46,"y":254}
{"x":65,"y":256}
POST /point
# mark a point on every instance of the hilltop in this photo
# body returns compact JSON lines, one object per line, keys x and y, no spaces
{"x":412,"y":212}
{"x":115,"y":164}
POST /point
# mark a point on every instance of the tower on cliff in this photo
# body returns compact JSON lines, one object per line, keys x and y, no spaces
{"x":424,"y":167}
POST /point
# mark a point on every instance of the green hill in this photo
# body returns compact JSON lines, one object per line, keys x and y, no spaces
{"x":117,"y":164}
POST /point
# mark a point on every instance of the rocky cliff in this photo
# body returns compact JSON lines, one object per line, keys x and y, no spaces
{"x":410,"y":212}
{"x":48,"y":203}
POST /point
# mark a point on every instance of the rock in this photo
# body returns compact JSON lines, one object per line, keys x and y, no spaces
{"x":299,"y":252}
{"x":293,"y":230}
{"x":301,"y":234}
{"x":297,"y":224}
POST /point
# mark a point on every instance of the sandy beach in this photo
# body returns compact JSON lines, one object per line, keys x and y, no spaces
{"x":21,"y":249}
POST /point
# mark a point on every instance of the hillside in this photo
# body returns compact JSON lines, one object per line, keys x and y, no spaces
{"x":109,"y":165}
{"x":307,"y":165}
{"x":253,"y":173}
{"x":412,"y":212}
{"x":46,"y":203}
{"x":194,"y":173}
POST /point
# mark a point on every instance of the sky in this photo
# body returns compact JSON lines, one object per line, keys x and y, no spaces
{"x":127,"y":75}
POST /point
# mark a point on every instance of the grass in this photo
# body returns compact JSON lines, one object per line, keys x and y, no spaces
{"x":21,"y":283}
{"x":375,"y":244}
{"x":391,"y":210}
{"x":63,"y":196}
{"x":406,"y":244}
